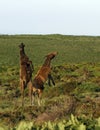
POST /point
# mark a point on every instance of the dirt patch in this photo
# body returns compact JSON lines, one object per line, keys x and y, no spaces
{"x":65,"y":106}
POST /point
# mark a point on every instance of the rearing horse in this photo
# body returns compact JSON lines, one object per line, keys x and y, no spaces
{"x":26,"y":70}
{"x":37,"y":85}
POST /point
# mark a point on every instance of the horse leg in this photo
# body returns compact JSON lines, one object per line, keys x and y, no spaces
{"x":39,"y":102}
{"x":39,"y":97}
{"x":22,"y":91}
{"x":49,"y":83}
{"x":30,"y":91}
{"x":33,"y":98}
{"x":50,"y":78}
{"x":33,"y":95}
{"x":53,"y":82}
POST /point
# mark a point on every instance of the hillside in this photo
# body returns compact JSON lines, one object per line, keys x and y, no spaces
{"x":71,"y":49}
{"x":76,"y":71}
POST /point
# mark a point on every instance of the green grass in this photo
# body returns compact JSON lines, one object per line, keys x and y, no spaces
{"x":72,"y":124}
{"x":71,"y":94}
{"x":71,"y":49}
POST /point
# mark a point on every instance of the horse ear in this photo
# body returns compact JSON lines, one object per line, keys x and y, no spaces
{"x":55,"y":53}
{"x":21,"y":45}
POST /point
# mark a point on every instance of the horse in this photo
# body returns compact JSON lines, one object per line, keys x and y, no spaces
{"x":37,"y":84}
{"x":26,"y":70}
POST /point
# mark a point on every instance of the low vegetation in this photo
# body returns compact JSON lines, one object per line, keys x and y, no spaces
{"x":72,"y":104}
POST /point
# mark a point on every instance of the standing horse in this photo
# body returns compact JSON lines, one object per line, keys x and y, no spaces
{"x":37,"y":85}
{"x":26,"y":70}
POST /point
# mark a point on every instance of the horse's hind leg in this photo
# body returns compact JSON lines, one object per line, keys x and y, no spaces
{"x":38,"y":100}
{"x":30,"y":92}
{"x":22,"y":91}
{"x":39,"y":97}
{"x":33,"y":96}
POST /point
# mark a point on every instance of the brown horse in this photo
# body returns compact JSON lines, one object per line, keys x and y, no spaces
{"x":26,"y":70}
{"x":37,"y":85}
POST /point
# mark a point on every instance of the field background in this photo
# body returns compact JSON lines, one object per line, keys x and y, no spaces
{"x":76,"y":70}
{"x":71,"y":49}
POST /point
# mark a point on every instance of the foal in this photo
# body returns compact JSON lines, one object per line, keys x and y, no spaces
{"x":26,"y":70}
{"x":37,"y":85}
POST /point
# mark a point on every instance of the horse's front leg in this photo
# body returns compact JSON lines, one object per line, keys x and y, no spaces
{"x":50,"y":78}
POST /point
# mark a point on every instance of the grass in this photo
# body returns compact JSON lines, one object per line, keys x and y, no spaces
{"x":71,"y":49}
{"x":73,"y":123}
{"x":74,"y":91}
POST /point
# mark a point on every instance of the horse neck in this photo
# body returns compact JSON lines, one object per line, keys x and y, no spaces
{"x":22,"y":53}
{"x":47,"y":63}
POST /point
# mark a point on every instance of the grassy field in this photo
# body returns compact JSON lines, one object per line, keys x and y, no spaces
{"x":76,"y":71}
{"x":71,"y":49}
